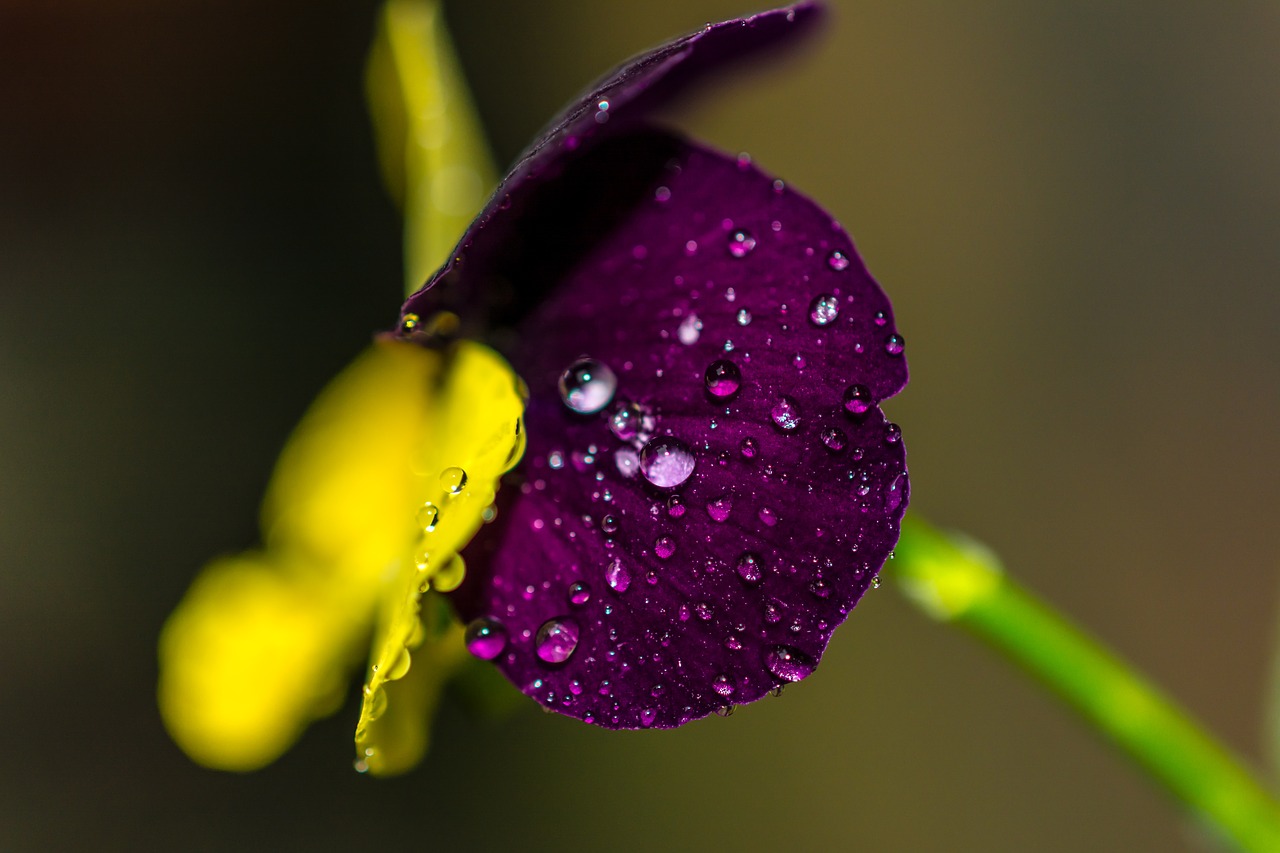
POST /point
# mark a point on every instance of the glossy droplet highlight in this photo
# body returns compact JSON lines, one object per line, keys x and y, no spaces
{"x":587,"y":386}
{"x":749,"y":568}
{"x":786,"y":414}
{"x":894,"y":345}
{"x":723,"y":379}
{"x":486,"y":638}
{"x":858,"y":400}
{"x":453,"y":480}
{"x":824,"y":309}
{"x":741,"y":243}
{"x":838,"y":261}
{"x":667,"y":462}
{"x":556,"y":640}
{"x":787,"y":663}
{"x":617,"y":576}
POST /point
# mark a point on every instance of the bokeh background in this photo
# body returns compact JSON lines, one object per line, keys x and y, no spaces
{"x":1075,"y":207}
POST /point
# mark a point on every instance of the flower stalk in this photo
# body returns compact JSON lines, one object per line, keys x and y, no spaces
{"x":958,"y":581}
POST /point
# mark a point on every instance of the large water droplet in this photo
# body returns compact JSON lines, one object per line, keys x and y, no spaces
{"x":741,"y":243}
{"x":749,"y":567}
{"x":838,"y":261}
{"x":858,"y":400}
{"x":617,"y":576}
{"x":485,"y":638}
{"x":824,"y":309}
{"x":556,"y":639}
{"x":587,"y":386}
{"x":400,"y":666}
{"x":453,"y":480}
{"x":786,"y":414}
{"x":894,"y":345}
{"x":667,"y":462}
{"x":579,"y":593}
{"x":787,"y":663}
{"x":723,"y":379}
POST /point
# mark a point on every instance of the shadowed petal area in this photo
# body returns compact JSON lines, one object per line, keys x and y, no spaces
{"x":692,"y":544}
{"x":483,"y":293}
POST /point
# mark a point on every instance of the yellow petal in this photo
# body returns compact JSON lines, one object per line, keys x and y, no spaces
{"x":434,"y":158}
{"x":472,"y":437}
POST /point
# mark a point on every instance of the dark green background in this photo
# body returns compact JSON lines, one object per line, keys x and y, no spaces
{"x":1076,"y":209}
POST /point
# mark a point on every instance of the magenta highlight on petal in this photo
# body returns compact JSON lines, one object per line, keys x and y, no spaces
{"x":732,"y":371}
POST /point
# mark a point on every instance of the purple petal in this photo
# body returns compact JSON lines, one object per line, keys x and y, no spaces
{"x":483,"y":294}
{"x":721,"y":554}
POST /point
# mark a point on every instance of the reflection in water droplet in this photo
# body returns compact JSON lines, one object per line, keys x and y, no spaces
{"x":587,"y":386}
{"x":723,"y":379}
{"x":741,"y":243}
{"x":894,"y":345}
{"x":749,"y":567}
{"x":787,"y":663}
{"x":720,"y":508}
{"x":556,"y":639}
{"x":823,"y":309}
{"x":453,"y":480}
{"x":579,"y":593}
{"x":617,"y":576}
{"x":664,"y":547}
{"x":838,"y":261}
{"x":833,"y":439}
{"x":675,"y":506}
{"x":667,"y":462}
{"x":858,"y":400}
{"x":786,"y":414}
{"x":485,"y":638}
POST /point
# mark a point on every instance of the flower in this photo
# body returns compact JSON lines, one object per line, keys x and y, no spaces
{"x":709,"y":484}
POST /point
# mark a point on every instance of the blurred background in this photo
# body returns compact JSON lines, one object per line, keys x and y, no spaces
{"x":1075,"y":207}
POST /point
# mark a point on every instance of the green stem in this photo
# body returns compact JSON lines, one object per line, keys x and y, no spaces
{"x":958,"y":581}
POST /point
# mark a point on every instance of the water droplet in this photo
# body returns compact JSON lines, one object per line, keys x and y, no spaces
{"x":704,"y":611}
{"x":892,"y":433}
{"x":741,"y":243}
{"x":719,"y":508}
{"x":824,"y":309}
{"x":749,"y":448}
{"x":662,"y":195}
{"x":723,"y":379}
{"x":786,"y":414}
{"x":858,"y":400}
{"x":768,"y":517}
{"x":675,"y":506}
{"x":555,"y":460}
{"x":450,"y":575}
{"x":400,"y":666}
{"x":664,"y":547}
{"x":772,"y":612}
{"x":428,"y":516}
{"x":627,"y":460}
{"x":556,"y":639}
{"x":875,"y":582}
{"x":894,"y":345}
{"x":453,"y":480}
{"x":750,"y":567}
{"x":787,"y":663}
{"x":880,"y":318}
{"x":838,"y":261}
{"x":820,"y":588}
{"x":579,"y":593}
{"x":587,"y":386}
{"x":833,"y":439}
{"x":609,"y":524}
{"x":667,"y":462}
{"x":409,"y":322}
{"x":647,"y":716}
{"x":631,"y":421}
{"x":689,"y":330}
{"x":744,"y":317}
{"x":485,"y":638}
{"x":722,"y":686}
{"x":617,"y":576}
{"x":897,"y":492}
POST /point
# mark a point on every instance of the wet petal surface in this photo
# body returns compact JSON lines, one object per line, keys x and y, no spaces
{"x":693,"y":543}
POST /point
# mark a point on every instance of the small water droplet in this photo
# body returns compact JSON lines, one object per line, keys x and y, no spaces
{"x":823,"y":309}
{"x":749,"y":567}
{"x":689,"y":330}
{"x":450,"y":575}
{"x":579,"y":593}
{"x":720,"y":508}
{"x":667,"y":462}
{"x":631,"y":421}
{"x":428,"y":516}
{"x":880,"y":318}
{"x":894,"y":345}
{"x":662,"y":195}
{"x":409,"y":322}
{"x":875,"y":582}
{"x":485,"y":638}
{"x":744,"y":317}
{"x":617,"y":576}
{"x":833,"y":439}
{"x":453,"y":480}
{"x":892,"y":433}
{"x":723,"y":379}
{"x":748,"y":448}
{"x":722,"y":686}
{"x":858,"y":400}
{"x":675,"y":506}
{"x":820,"y":588}
{"x":787,"y":663}
{"x":741,"y":243}
{"x":627,"y":460}
{"x":587,"y":386}
{"x":556,"y":639}
{"x":768,"y":517}
{"x":838,"y":261}
{"x":609,"y":524}
{"x":664,"y":547}
{"x":647,"y":716}
{"x":786,"y":414}
{"x":400,"y":666}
